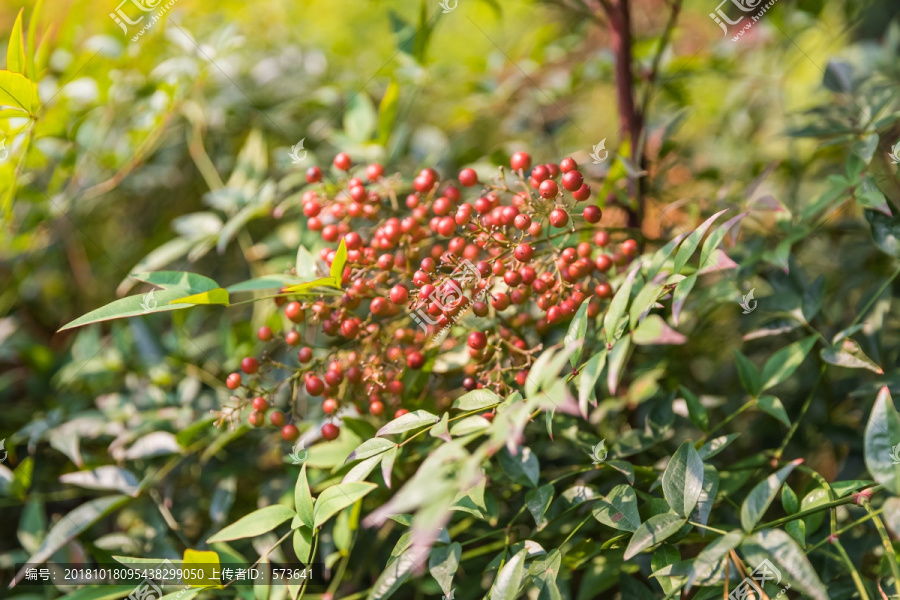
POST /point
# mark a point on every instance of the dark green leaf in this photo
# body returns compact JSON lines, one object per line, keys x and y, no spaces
{"x":882,"y":442}
{"x":653,"y":531}
{"x":618,"y":509}
{"x":783,"y":363}
{"x":761,"y":496}
{"x":683,"y":479}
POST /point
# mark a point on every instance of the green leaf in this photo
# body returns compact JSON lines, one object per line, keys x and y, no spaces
{"x":885,"y":232}
{"x":709,"y":561}
{"x":189,"y":282}
{"x":761,"y":496}
{"x":441,"y":430}
{"x":783,"y":363}
{"x":369,"y":448}
{"x":680,"y":294}
{"x":659,"y":258}
{"x":716,"y":445}
{"x":506,"y":586}
{"x":362,"y":469}
{"x":15,"y":53}
{"x":337,"y":498}
{"x":302,"y":543}
{"x":256,"y":523}
{"x":577,"y":331}
{"x":408,"y":422}
{"x":305,"y":264}
{"x":682,"y":481}
{"x":773,"y":406}
{"x":617,"y":307}
{"x":393,"y":576}
{"x":590,"y":373}
{"x":653,"y":531}
{"x":654,"y":331}
{"x":537,"y":501}
{"x":132,"y":306}
{"x":644,"y":300}
{"x":32,"y":39}
{"x":781,"y":550}
{"x":693,"y":240}
{"x":748,"y":373}
{"x":789,"y":500}
{"x":522,"y":467}
{"x":387,"y":112}
{"x":665,"y":555}
{"x":18,"y":92}
{"x":716,"y":237}
{"x":216,"y":296}
{"x":707,"y":496}
{"x":848,"y":354}
{"x":470,"y":424}
{"x":387,"y":464}
{"x":360,"y":118}
{"x":618,"y":509}
{"x":882,"y":442}
{"x":303,"y":501}
{"x":617,"y":359}
{"x":696,"y":411}
{"x":107,"y":477}
{"x":70,"y":526}
{"x":477,"y":400}
{"x":443,"y":563}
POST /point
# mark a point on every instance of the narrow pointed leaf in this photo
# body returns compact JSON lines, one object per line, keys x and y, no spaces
{"x":693,"y":240}
{"x":256,"y":523}
{"x":679,"y":296}
{"x":882,"y":442}
{"x":653,"y":531}
{"x":682,"y":481}
{"x":303,"y":502}
{"x":337,"y":498}
{"x":618,"y":509}
{"x":216,"y":296}
{"x":408,"y":422}
{"x":506,"y":586}
{"x":577,"y":331}
{"x":618,"y":305}
{"x":590,"y":373}
{"x":761,"y":496}
{"x":783,"y":363}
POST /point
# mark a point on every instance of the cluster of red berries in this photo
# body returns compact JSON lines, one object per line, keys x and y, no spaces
{"x":519,"y":255}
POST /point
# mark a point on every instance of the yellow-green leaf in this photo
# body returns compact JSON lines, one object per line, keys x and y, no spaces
{"x":15,"y":53}
{"x":32,"y":35}
{"x":17,"y":91}
{"x":337,"y":265}
{"x":216,"y":296}
{"x":201,"y":562}
{"x":322,"y":281}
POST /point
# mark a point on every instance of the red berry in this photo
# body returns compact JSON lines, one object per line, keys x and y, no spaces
{"x":353,"y":241}
{"x":520,"y":160}
{"x":277,"y":418}
{"x":548,"y":189}
{"x":250,"y":365}
{"x":629,"y":248}
{"x":330,"y":431}
{"x":294,"y":312}
{"x":477,"y":340}
{"x":522,"y":222}
{"x":329,"y":406}
{"x":400,"y":412}
{"x":257,"y":419}
{"x":304,"y":355}
{"x":399,"y":294}
{"x":415,"y":360}
{"x":582,"y":193}
{"x":264,"y":334}
{"x":290,"y":433}
{"x":523,"y":252}
{"x":313,"y":175}
{"x":260,"y":404}
{"x":540,"y":173}
{"x":292,"y":338}
{"x":558,"y":217}
{"x":342,"y":161}
{"x":567,"y":164}
{"x":592,"y":214}
{"x":468,"y":177}
{"x":314,"y":386}
{"x":376,"y":407}
{"x":233,"y":381}
{"x":572,"y":181}
{"x":554,"y":314}
{"x":349,"y":329}
{"x":379,"y":306}
{"x":441,"y":206}
{"x":374,"y":171}
{"x":603,"y":290}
